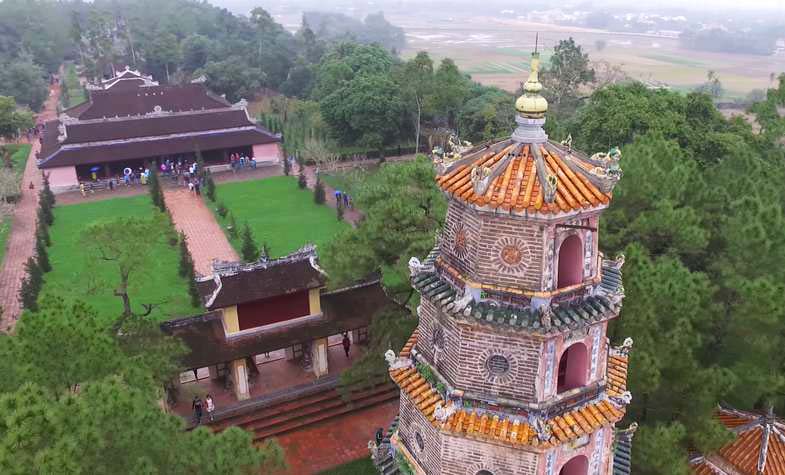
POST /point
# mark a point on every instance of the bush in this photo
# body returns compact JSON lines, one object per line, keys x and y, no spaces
{"x":185,"y":268}
{"x":42,"y":231}
{"x":46,"y":194}
{"x":301,"y":181}
{"x":45,"y":214}
{"x":156,"y":193}
{"x":222,"y":210}
{"x":318,"y":192}
{"x":339,"y":212}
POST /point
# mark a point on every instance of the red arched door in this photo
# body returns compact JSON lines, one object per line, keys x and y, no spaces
{"x":573,"y":366}
{"x":570,"y":262}
{"x":576,"y":466}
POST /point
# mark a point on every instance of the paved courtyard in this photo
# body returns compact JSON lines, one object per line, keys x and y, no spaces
{"x":206,"y":239}
{"x":21,"y":240}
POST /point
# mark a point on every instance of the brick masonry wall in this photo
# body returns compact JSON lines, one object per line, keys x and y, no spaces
{"x":462,"y":456}
{"x":466,"y":349}
{"x":413,"y":422}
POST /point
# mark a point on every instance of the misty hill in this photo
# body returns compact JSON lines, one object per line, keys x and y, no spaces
{"x":374,"y":29}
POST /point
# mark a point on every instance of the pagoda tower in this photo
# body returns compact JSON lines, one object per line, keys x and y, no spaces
{"x":510,"y":370}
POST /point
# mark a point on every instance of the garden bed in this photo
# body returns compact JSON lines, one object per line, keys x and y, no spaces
{"x":72,"y":276}
{"x":279,"y":213}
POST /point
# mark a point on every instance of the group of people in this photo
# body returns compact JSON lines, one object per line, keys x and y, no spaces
{"x":200,"y":406}
{"x":187,"y":171}
{"x":343,"y":199}
{"x":238,"y":161}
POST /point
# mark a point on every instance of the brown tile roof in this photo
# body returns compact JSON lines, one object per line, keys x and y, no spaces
{"x":757,"y":449}
{"x":343,"y":310}
{"x":142,"y":100}
{"x":151,"y":126}
{"x":516,"y":187}
{"x":476,"y":424}
{"x":122,"y":151}
{"x":236,"y":283}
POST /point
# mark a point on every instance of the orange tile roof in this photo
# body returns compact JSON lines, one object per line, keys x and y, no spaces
{"x":617,"y":375}
{"x":758,"y":449}
{"x":563,"y":428}
{"x":517,"y":187}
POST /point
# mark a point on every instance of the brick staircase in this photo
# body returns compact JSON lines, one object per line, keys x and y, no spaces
{"x":298,"y":407}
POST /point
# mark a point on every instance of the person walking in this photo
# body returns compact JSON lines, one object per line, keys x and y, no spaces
{"x":346,"y":200}
{"x":82,"y":190}
{"x":208,"y":401}
{"x":347,"y":344}
{"x":338,"y":198}
{"x":197,"y":407}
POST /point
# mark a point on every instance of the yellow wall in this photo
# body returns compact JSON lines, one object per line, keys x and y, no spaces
{"x":231,"y":322}
{"x":314,"y":301}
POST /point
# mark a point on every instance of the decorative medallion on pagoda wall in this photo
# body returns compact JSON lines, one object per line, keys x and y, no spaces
{"x":512,"y":255}
{"x":460,"y":242}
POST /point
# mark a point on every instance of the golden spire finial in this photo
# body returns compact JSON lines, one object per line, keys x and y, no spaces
{"x":531,"y":103}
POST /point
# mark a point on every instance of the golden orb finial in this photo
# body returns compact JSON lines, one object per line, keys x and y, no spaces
{"x":531,"y":103}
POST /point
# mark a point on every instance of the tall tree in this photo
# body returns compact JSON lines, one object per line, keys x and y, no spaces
{"x":568,"y":71}
{"x":12,"y":120}
{"x":123,"y":244}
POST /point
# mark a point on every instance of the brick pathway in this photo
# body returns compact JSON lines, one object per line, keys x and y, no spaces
{"x":335,"y":441}
{"x":352,"y":216}
{"x":22,"y":237}
{"x":206,"y":239}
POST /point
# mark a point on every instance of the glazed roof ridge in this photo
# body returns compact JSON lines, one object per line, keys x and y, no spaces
{"x":589,"y":310}
{"x":513,"y":430}
{"x":227,"y":268}
{"x":528,"y":178}
{"x":757,"y":449}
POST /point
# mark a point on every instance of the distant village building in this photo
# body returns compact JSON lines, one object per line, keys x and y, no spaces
{"x":510,"y":370}
{"x":758,"y":446}
{"x":130,"y":121}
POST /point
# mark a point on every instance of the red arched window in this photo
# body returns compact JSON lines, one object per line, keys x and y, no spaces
{"x":573,"y":367}
{"x":570,"y":262}
{"x":576,"y":466}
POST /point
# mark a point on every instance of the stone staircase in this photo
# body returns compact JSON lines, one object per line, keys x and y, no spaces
{"x":299,"y":407}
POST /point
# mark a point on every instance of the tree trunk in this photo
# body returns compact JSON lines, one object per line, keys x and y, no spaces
{"x":417,"y":138}
{"x":167,"y":73}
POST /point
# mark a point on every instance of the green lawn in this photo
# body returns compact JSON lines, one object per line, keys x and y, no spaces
{"x":363,"y":466}
{"x":278,"y":212}
{"x":348,"y":180}
{"x":71,"y":275}
{"x":19,"y":153}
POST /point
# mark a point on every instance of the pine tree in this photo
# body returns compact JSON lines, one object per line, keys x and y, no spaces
{"x":186,"y":264}
{"x":301,"y":181}
{"x":210,"y":185}
{"x":265,"y":251}
{"x":45,"y":214}
{"x":249,"y":250}
{"x":42,"y":255}
{"x":287,"y":166}
{"x":46,"y":192}
{"x":42,"y":230}
{"x":196,"y":299}
{"x":31,"y":285}
{"x":232,"y":227}
{"x":339,"y":211}
{"x":318,"y":192}
{"x":156,"y":193}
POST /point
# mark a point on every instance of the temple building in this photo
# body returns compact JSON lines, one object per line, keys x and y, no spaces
{"x":270,"y":305}
{"x":510,"y":370}
{"x":130,"y":121}
{"x":757,"y":448}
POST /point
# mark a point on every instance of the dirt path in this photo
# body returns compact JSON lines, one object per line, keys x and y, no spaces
{"x":21,"y":240}
{"x":206,"y":239}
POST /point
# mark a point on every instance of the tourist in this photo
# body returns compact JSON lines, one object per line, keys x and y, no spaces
{"x":82,"y":190}
{"x":338,"y":198}
{"x":210,"y":406}
{"x":347,"y":344}
{"x":346,"y":200}
{"x":111,"y":184}
{"x":253,"y":163}
{"x":196,"y":405}
{"x":242,"y":161}
{"x":197,"y":185}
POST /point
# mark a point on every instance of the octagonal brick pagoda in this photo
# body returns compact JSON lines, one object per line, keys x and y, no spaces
{"x":510,"y":370}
